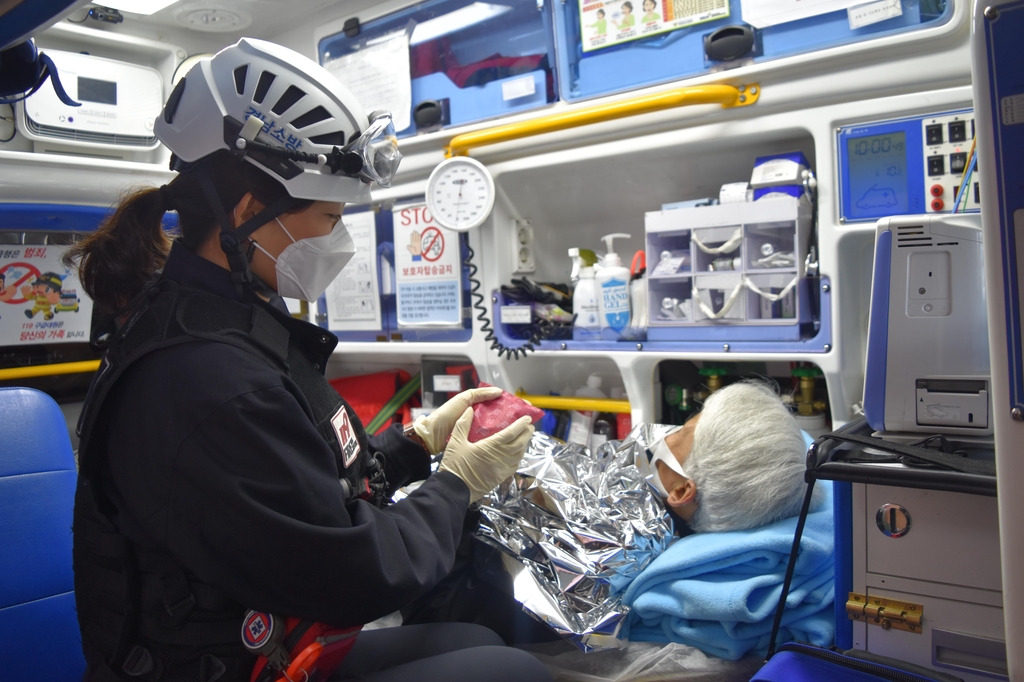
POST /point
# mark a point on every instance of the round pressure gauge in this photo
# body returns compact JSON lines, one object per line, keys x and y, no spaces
{"x":460,"y":193}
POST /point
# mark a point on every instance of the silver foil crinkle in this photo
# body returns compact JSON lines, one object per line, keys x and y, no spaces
{"x":576,"y":528}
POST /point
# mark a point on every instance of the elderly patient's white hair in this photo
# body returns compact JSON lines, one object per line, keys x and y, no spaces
{"x":747,"y":460}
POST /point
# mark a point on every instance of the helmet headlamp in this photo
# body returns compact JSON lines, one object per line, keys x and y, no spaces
{"x":377,"y":147}
{"x":373,"y":156}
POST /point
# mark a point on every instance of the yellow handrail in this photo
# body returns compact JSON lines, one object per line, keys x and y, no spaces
{"x":557,"y":402}
{"x":726,"y":95}
{"x":49,"y":370}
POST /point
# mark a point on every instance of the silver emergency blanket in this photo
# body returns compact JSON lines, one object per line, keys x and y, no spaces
{"x":576,"y":528}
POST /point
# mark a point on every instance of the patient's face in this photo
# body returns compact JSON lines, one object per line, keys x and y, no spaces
{"x":680,"y":442}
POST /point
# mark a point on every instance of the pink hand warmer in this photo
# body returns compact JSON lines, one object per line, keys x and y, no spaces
{"x":494,"y":415}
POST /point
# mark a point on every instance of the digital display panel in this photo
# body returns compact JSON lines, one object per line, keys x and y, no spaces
{"x":877,"y":175}
{"x":93,"y":90}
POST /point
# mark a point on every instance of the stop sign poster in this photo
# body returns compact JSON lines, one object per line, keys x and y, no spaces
{"x":428,"y":270}
{"x":41,"y":301}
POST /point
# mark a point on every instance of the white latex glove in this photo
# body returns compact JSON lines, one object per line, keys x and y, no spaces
{"x":483,"y":465}
{"x":435,"y":428}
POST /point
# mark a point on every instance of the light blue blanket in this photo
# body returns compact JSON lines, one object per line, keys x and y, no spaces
{"x":718,"y":591}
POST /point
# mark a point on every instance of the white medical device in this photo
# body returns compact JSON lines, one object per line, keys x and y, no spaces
{"x":460,"y":193}
{"x":120,"y":103}
{"x":927,"y":359}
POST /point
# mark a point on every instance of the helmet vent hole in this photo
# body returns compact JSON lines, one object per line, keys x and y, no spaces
{"x":310,"y":117}
{"x":263,"y":86}
{"x":240,"y":73}
{"x":289,"y":98}
{"x":336,"y":139}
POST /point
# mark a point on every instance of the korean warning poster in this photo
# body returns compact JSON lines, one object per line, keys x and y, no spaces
{"x":40,"y":300}
{"x":428,"y":271}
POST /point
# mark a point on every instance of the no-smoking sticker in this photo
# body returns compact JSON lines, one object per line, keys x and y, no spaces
{"x":428,"y":270}
{"x":431,"y":244}
{"x":16,"y":276}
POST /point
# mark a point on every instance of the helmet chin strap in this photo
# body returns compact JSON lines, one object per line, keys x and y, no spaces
{"x":231,"y":239}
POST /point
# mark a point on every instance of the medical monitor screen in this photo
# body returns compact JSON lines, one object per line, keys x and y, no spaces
{"x":92,"y":90}
{"x":877,"y":175}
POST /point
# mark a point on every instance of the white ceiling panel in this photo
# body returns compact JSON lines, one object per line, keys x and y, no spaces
{"x":236,"y":18}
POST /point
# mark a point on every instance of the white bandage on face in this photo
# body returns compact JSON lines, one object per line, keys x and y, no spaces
{"x":662,"y":452}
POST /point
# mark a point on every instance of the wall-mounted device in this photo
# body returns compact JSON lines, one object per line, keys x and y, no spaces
{"x":905,"y":166}
{"x":120,"y":102}
{"x":928,"y":363}
{"x":460,"y":193}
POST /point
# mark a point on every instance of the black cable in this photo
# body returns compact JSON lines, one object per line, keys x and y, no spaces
{"x":14,"y":124}
{"x":339,"y":160}
{"x":791,"y":566}
{"x":485,"y":323}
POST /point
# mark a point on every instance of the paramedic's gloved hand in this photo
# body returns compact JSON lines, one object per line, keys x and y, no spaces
{"x":435,"y":428}
{"x":483,"y":465}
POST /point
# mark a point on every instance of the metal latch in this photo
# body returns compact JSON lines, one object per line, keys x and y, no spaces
{"x":888,"y":613}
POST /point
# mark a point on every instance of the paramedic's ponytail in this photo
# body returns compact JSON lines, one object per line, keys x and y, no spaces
{"x":117,"y":260}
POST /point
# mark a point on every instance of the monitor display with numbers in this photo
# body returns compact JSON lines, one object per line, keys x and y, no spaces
{"x":877,"y":174}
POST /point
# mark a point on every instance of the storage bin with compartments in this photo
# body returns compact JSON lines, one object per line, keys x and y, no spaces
{"x":715,"y":268}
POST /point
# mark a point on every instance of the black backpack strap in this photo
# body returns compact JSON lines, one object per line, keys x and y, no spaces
{"x":165,"y":315}
{"x":937,"y":458}
{"x":108,"y":618}
{"x":869,"y":664}
{"x":791,"y":567}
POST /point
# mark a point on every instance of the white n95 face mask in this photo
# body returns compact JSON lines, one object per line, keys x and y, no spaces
{"x":307,"y":267}
{"x":662,"y":452}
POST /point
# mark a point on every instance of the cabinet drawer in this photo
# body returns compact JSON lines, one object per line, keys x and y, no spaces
{"x":953,"y":537}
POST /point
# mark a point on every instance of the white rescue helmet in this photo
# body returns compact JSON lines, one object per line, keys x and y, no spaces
{"x":314,"y":137}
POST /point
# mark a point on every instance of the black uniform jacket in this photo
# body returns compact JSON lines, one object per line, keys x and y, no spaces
{"x":213,"y":458}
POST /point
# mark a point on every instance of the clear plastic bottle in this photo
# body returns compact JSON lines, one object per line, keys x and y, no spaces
{"x":587,"y":326}
{"x":592,"y":389}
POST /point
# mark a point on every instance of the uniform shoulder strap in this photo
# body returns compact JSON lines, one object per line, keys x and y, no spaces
{"x":250,"y":327}
{"x":167,"y":315}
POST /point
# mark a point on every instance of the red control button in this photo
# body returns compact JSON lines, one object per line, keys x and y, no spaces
{"x":937,"y":204}
{"x":936,"y":190}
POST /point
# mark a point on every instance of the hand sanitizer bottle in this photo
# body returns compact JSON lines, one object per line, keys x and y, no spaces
{"x":587,"y":326}
{"x":613,"y":291}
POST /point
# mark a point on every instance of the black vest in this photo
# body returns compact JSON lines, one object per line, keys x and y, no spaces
{"x":142,"y":616}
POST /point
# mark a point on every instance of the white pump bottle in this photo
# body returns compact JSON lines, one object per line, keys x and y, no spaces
{"x":587,"y":326}
{"x":613,"y":291}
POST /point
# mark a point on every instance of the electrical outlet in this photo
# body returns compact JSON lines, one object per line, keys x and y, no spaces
{"x":522,"y":247}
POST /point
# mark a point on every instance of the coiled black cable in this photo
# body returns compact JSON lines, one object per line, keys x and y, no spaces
{"x":485,"y":322}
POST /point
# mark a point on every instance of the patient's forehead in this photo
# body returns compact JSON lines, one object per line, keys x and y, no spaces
{"x":681,"y":442}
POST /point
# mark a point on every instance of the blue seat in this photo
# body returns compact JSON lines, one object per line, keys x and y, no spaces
{"x":39,"y":636}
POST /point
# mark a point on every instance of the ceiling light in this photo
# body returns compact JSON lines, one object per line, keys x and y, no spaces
{"x":212,"y":19}
{"x":138,"y":6}
{"x":456,"y":21}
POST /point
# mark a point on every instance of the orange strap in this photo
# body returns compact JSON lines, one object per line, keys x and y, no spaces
{"x":642,"y":257}
{"x":302,"y":663}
